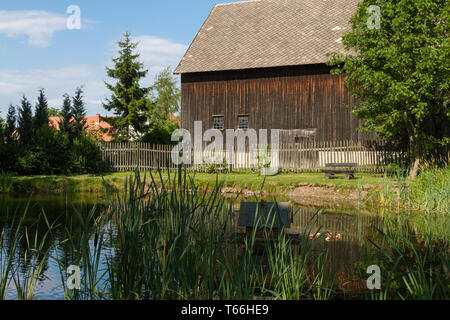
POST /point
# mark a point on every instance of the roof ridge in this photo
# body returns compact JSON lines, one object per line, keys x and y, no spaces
{"x":237,"y":2}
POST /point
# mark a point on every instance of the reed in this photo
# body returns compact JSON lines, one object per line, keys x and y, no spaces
{"x":6,"y":182}
{"x":411,"y":270}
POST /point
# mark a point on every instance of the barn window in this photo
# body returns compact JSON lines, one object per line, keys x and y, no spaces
{"x":243,"y":122}
{"x":218,"y":122}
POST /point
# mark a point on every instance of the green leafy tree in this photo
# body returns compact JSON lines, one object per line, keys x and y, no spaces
{"x":10,"y":127}
{"x":41,"y":112}
{"x":25,"y":122}
{"x":129,"y":101}
{"x":54,"y":112}
{"x":401,"y":72}
{"x":165,"y":97}
{"x":78,"y":113}
{"x":165,"y":92}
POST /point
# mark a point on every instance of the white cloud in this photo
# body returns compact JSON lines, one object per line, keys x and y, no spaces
{"x":38,"y":26}
{"x":56,"y":82}
{"x":158,"y":53}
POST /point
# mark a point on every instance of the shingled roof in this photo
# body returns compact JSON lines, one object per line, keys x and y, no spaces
{"x":268,"y":33}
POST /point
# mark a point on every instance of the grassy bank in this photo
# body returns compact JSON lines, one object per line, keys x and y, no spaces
{"x":429,"y":193}
{"x":241,"y":180}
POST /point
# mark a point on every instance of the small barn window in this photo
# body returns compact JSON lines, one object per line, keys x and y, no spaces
{"x":218,"y":122}
{"x":243,"y":122}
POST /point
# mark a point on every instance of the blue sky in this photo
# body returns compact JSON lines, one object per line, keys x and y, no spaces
{"x":37,"y":50}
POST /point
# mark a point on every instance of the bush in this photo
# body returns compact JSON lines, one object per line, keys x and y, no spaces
{"x":86,"y":156}
{"x":9,"y":154}
{"x":395,"y":170}
{"x":49,"y":153}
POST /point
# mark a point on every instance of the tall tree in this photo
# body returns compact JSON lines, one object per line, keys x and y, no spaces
{"x":78,"y":113}
{"x":2,"y":131}
{"x":165,"y":92}
{"x":11,"y":120}
{"x":41,"y":112}
{"x":129,"y":101}
{"x":65,"y":125}
{"x":165,"y":97}
{"x":401,"y":71}
{"x":25,"y":122}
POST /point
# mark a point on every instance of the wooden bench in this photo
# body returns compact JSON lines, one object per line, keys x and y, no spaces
{"x":340,"y":168}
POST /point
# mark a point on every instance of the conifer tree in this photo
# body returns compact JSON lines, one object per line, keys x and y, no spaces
{"x":11,"y":120}
{"x":41,"y":112}
{"x":129,"y":101}
{"x":25,"y":122}
{"x":78,"y":113}
{"x":2,"y":131}
{"x":65,"y":125}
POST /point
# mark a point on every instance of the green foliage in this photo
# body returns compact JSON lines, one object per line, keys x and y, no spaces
{"x":47,"y":154}
{"x":11,"y":120}
{"x":401,"y":72}
{"x":161,"y":132}
{"x":41,"y":112}
{"x":54,"y":112}
{"x":165,"y":93}
{"x":129,"y":101}
{"x":2,"y":130}
{"x":65,"y":126}
{"x":86,"y":156}
{"x":165,"y":100}
{"x":78,"y":113}
{"x":431,"y":191}
{"x":5,"y":182}
{"x":395,"y":170}
{"x":25,"y":122}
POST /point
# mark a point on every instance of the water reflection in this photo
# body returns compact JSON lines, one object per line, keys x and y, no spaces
{"x":355,"y":229}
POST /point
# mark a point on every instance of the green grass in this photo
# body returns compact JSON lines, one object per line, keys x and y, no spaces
{"x":241,"y":180}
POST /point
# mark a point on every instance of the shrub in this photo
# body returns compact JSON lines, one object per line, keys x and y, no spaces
{"x":86,"y":156}
{"x":47,"y":155}
{"x":9,"y":154}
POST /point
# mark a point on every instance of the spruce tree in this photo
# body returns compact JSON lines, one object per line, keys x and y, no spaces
{"x":2,"y":131}
{"x":129,"y":101}
{"x":11,"y":120}
{"x":78,"y":113}
{"x":65,"y":125}
{"x":25,"y":122}
{"x":41,"y":112}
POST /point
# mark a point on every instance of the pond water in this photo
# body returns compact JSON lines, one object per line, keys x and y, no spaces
{"x":353,"y":230}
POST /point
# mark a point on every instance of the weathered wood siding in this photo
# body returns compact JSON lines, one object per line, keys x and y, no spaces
{"x":299,"y":97}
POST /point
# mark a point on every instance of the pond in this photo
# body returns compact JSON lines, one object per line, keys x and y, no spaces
{"x":345,"y":236}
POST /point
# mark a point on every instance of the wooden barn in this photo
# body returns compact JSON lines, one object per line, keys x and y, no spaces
{"x":261,"y":65}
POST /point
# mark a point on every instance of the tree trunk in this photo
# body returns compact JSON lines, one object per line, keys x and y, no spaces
{"x":414,"y":172}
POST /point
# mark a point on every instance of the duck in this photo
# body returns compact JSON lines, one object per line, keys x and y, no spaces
{"x":331,"y":237}
{"x":312,"y":236}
